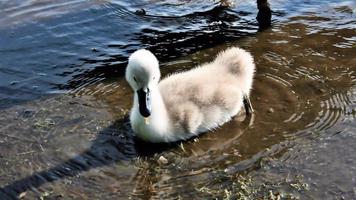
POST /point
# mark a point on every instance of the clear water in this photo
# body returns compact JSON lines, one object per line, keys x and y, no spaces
{"x":64,"y":101}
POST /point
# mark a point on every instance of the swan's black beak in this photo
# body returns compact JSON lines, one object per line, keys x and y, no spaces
{"x":247,"y":105}
{"x":144,"y":102}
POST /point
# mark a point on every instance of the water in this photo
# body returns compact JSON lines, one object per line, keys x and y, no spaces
{"x":64,"y":101}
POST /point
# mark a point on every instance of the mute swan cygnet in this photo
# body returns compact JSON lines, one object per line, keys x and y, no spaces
{"x":185,"y":104}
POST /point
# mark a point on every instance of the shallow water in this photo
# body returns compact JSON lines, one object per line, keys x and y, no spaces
{"x":64,"y":101}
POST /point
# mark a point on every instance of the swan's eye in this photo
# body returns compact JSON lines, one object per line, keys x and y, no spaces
{"x":135,"y":79}
{"x":154,"y":78}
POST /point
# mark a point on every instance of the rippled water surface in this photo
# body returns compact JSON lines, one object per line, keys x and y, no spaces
{"x":64,"y":132}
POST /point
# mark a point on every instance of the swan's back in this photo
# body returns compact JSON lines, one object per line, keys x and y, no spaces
{"x":239,"y":63}
{"x":207,"y":96}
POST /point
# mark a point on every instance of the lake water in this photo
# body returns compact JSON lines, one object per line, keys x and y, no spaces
{"x":64,"y":101}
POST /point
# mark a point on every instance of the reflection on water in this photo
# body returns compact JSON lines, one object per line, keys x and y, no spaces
{"x":299,"y":143}
{"x":71,"y":43}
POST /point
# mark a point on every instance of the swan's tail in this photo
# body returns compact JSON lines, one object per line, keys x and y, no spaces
{"x":239,"y":62}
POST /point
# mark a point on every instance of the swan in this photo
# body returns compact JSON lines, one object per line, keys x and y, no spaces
{"x":185,"y":104}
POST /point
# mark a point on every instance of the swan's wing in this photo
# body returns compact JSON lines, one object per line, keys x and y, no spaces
{"x":200,"y":100}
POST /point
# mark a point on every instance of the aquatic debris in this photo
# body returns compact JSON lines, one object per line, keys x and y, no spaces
{"x":140,"y":12}
{"x":26,"y":152}
{"x":14,"y":82}
{"x":273,"y":196}
{"x":16,"y":137}
{"x":28,"y":113}
{"x":22,"y":195}
{"x":270,"y":110}
{"x":44,"y":124}
{"x":45,"y":195}
{"x":162,"y":160}
{"x":182,"y":147}
{"x":227,"y":194}
{"x":245,"y":186}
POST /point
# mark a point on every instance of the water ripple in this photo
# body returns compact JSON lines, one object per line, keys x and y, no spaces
{"x":332,"y":111}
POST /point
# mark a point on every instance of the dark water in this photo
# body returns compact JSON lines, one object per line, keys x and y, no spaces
{"x":64,"y":101}
{"x":47,"y":47}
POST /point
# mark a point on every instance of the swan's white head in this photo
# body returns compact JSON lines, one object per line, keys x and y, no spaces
{"x":143,"y":74}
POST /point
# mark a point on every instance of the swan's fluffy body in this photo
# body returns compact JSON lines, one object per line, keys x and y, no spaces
{"x":185,"y":104}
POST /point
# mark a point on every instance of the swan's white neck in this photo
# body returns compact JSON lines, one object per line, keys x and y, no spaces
{"x":157,"y":129}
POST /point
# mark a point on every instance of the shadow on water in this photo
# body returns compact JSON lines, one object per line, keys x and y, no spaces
{"x":109,"y":147}
{"x":114,"y":144}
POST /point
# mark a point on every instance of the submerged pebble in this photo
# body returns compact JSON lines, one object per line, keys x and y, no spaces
{"x":28,"y":113}
{"x":162,"y":160}
{"x":270,"y":110}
